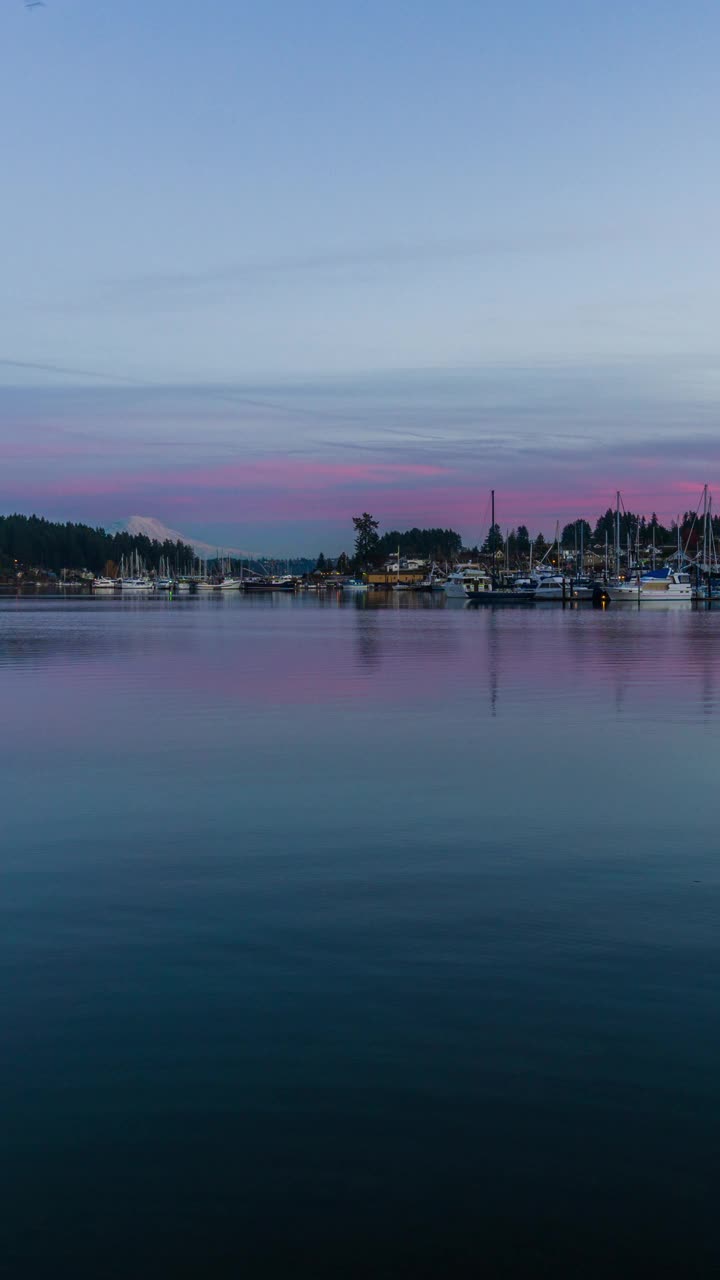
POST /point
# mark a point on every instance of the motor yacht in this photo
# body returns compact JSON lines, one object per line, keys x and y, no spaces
{"x":661,"y":585}
{"x":467,"y":579}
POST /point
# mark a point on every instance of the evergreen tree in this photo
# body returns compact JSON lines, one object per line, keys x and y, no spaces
{"x":366,"y":538}
{"x":494,"y":541}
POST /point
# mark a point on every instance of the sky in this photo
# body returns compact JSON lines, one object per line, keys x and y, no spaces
{"x":266,"y":266}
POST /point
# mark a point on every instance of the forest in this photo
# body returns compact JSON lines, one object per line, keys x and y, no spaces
{"x":32,"y":541}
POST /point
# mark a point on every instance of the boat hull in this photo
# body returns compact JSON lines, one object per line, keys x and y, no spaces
{"x":500,"y":597}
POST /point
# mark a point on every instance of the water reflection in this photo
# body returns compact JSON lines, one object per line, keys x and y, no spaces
{"x":284,"y":650}
{"x":305,"y":900}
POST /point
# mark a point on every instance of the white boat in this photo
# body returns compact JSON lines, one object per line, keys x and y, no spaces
{"x":552,"y":588}
{"x":230,"y":584}
{"x":661,"y":585}
{"x":164,"y":584}
{"x":583,"y":588}
{"x":182,"y":585}
{"x":204,"y":585}
{"x":136,"y":584}
{"x":105,"y":584}
{"x":354,"y":584}
{"x":465,"y":580}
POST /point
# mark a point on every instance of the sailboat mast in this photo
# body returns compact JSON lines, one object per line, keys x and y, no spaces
{"x":705,"y":527}
{"x":492,"y":533}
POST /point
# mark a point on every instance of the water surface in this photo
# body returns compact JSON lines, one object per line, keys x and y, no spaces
{"x":354,"y":938}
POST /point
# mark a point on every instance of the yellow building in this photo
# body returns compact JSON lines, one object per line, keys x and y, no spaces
{"x":388,"y":577}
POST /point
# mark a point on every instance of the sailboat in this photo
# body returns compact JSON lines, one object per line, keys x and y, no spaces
{"x":133,"y":576}
{"x":481,"y":590}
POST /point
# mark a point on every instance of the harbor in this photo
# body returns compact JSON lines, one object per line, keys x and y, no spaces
{"x":636,"y":562}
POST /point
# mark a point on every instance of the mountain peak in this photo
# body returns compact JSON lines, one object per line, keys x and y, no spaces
{"x":153,"y":528}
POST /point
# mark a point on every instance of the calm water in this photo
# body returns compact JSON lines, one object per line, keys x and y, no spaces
{"x":352,"y":940}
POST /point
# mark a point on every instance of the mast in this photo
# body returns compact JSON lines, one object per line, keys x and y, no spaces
{"x":705,"y":528}
{"x":492,"y":535}
{"x":617,"y":533}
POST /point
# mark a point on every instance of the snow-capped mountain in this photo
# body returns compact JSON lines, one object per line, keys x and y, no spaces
{"x":160,"y":532}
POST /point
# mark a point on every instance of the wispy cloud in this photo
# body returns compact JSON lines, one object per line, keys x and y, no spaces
{"x":220,"y":281}
{"x":413,"y":447}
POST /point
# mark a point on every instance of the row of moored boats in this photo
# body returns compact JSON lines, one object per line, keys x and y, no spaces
{"x":147,"y":583}
{"x":476,"y":584}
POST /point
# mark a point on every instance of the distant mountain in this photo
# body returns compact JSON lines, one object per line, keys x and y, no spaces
{"x":159,"y":532}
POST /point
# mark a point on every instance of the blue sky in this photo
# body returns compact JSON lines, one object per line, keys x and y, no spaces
{"x":476,"y":238}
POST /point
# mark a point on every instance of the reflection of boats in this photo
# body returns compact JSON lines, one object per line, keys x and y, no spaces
{"x":662,"y":585}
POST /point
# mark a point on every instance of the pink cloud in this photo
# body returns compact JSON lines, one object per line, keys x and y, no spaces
{"x":533,"y":490}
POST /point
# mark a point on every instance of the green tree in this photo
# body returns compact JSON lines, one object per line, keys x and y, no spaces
{"x":427,"y":544}
{"x":522,"y":540}
{"x":573,"y":533}
{"x":321,"y":565}
{"x":494,"y":541}
{"x":366,"y":538}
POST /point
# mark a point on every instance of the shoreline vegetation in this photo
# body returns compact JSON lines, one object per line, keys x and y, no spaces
{"x":34,"y":549}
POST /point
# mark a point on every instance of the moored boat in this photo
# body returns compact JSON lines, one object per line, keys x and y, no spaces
{"x":465,"y":579}
{"x":654,"y":586}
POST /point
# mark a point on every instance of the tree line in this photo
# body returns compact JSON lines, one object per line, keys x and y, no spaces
{"x":373,"y":549}
{"x":33,"y":542}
